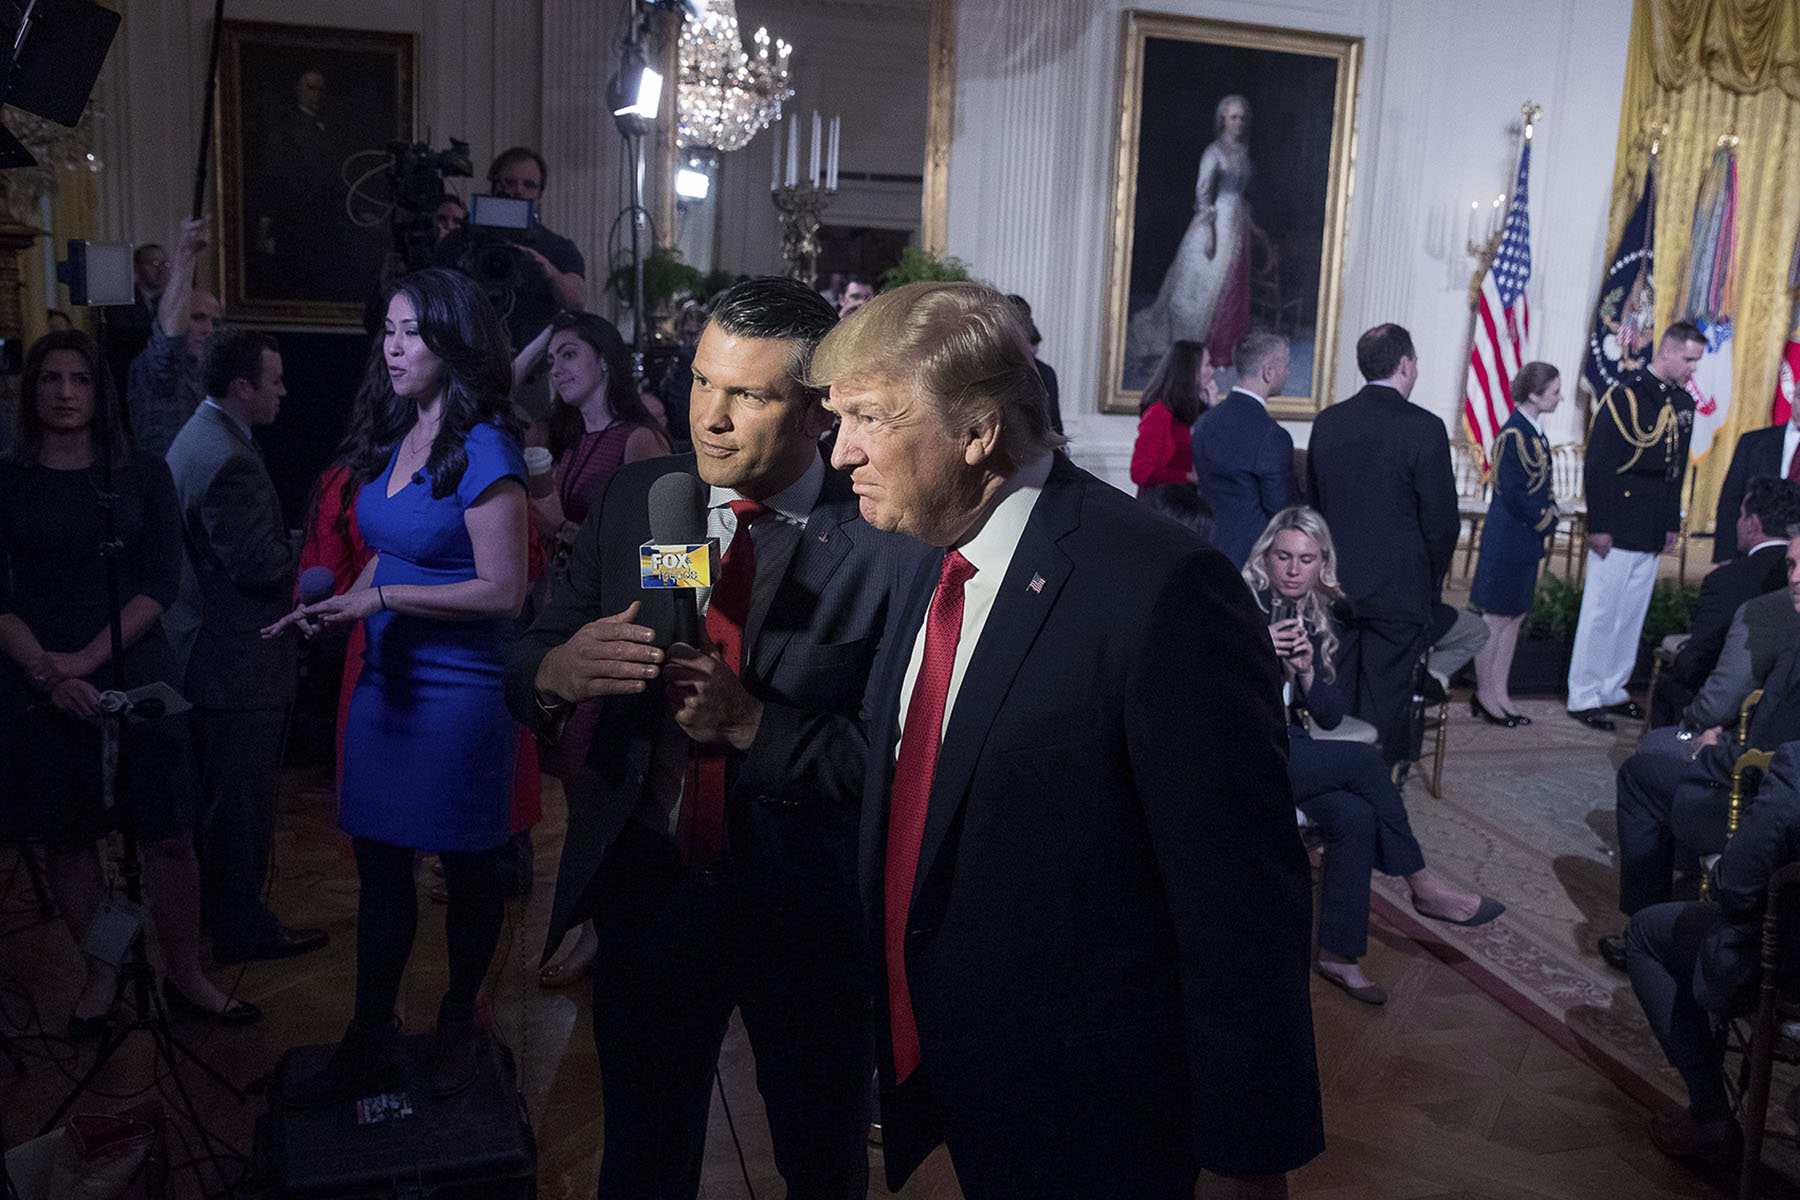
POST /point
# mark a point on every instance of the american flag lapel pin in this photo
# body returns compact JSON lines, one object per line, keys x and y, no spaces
{"x":1037,"y":583}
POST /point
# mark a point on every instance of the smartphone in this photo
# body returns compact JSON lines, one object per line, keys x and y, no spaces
{"x":1283,"y":610}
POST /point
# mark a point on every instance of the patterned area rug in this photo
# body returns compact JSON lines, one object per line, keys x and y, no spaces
{"x":1527,"y":817}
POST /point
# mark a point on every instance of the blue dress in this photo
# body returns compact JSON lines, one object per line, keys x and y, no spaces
{"x":429,"y":744}
{"x":1518,"y":521}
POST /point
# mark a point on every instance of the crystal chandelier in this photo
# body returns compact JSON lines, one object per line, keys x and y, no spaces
{"x":726,"y":95}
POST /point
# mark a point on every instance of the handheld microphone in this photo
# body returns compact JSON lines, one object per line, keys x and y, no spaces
{"x":679,"y":555}
{"x":316,"y":584}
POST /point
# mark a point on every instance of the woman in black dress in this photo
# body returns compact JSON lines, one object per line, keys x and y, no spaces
{"x":55,"y":660}
{"x":1521,"y":515}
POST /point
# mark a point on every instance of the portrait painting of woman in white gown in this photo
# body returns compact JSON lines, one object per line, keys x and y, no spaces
{"x":1205,"y":295}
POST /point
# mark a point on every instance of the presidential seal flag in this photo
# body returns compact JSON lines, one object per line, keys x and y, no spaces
{"x":1619,"y":340}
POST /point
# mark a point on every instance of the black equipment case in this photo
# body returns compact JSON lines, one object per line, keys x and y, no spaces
{"x":402,"y":1145}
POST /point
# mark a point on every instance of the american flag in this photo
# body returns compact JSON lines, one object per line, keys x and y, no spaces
{"x":1502,"y":323}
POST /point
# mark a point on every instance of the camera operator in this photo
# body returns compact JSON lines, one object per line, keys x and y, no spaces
{"x":552,"y":275}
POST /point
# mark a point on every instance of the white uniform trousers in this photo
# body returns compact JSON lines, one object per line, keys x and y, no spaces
{"x":1612,"y":617}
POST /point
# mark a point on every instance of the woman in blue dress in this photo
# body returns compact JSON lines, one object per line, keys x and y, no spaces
{"x":1521,"y":515}
{"x":429,"y":745}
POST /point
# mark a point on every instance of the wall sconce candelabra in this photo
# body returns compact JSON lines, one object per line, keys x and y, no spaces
{"x":800,"y":203}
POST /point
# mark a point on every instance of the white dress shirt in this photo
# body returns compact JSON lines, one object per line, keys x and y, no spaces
{"x":990,"y":551}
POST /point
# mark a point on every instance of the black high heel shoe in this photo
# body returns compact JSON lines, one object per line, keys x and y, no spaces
{"x":1476,"y":710}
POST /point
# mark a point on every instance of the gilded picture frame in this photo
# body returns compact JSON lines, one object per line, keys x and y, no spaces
{"x":1210,"y":234}
{"x":305,"y":117}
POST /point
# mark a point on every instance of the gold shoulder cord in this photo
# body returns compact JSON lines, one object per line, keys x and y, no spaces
{"x":1638,"y":438}
{"x":1532,"y":456}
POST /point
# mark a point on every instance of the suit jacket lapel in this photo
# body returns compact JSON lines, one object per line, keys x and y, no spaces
{"x":1012,"y":626}
{"x":823,"y":544}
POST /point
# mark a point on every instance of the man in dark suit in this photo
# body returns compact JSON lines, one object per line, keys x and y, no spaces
{"x":1379,"y":468}
{"x":768,"y":921}
{"x":1637,"y":456}
{"x":1768,"y":516}
{"x":1669,"y":800}
{"x":1243,"y":460}
{"x":237,"y":577}
{"x":1759,"y":452}
{"x":1079,"y":863}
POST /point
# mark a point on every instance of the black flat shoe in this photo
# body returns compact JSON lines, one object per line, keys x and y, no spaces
{"x":1593,"y":718}
{"x":234,"y":1015}
{"x":1519,"y":718}
{"x":1612,"y":950}
{"x":1628,"y":709}
{"x":1477,"y":709}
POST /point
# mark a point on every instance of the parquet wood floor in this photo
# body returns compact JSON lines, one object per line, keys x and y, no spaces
{"x":1441,"y":1094}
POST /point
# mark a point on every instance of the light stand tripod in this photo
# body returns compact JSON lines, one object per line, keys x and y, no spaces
{"x":117,"y":710}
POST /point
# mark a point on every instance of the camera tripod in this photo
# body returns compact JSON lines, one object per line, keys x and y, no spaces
{"x":136,"y":978}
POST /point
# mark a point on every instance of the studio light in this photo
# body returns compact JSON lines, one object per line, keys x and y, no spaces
{"x":692,"y":184}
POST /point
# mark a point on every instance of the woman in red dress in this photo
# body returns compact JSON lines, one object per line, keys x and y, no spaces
{"x":1173,"y":400}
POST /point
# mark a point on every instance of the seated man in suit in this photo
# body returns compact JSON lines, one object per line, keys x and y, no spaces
{"x":1767,"y":451}
{"x":1660,"y":788}
{"x":1692,"y":963}
{"x":1243,"y":460}
{"x":713,"y":837}
{"x":1086,"y":900}
{"x":1768,"y":516}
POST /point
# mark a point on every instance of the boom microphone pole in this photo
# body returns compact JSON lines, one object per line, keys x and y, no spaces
{"x":206,"y":111}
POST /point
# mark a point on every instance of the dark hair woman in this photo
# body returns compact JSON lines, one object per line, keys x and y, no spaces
{"x":1179,"y":391}
{"x":428,"y":744}
{"x":598,"y":421}
{"x":1342,"y":786}
{"x":1521,"y":515}
{"x":56,"y":638}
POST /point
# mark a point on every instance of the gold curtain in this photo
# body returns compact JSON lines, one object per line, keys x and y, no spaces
{"x":1708,"y":67}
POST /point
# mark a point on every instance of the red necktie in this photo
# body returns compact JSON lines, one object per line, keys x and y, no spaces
{"x":1794,"y":468}
{"x":700,"y":836}
{"x":911,"y":794}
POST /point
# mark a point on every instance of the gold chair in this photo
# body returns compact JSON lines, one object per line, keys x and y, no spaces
{"x":1741,"y":795}
{"x":1473,"y":491}
{"x":1768,"y":1031}
{"x":1567,"y":482}
{"x":1433,"y":722}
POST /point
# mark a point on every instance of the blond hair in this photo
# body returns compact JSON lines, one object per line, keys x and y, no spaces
{"x":962,"y":346}
{"x":1315,"y":606}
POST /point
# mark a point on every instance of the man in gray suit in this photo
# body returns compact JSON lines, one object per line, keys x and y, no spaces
{"x":237,"y":576}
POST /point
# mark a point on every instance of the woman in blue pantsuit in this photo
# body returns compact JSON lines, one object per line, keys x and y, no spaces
{"x":1343,"y":787}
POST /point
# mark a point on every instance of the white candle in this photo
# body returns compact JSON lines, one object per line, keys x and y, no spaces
{"x":1474,"y":207}
{"x":793,"y":157}
{"x":775,"y":166}
{"x":831,"y":180}
{"x":812,"y":171}
{"x":1494,"y":217}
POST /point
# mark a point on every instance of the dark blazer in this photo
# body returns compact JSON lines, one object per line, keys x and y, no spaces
{"x":1244,"y":469}
{"x":1108,"y":937}
{"x":1637,"y":456}
{"x":1379,"y":473}
{"x":1519,"y":516}
{"x":792,"y":797}
{"x":1721,"y":592}
{"x":1758,"y":453}
{"x":237,"y":572}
